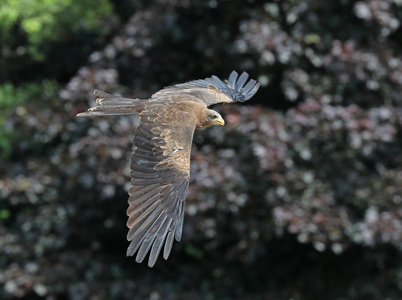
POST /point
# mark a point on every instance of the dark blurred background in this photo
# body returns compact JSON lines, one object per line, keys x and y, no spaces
{"x":297,"y":197}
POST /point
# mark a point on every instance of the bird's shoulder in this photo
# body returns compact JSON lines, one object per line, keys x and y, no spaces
{"x":189,"y":94}
{"x":177,"y":110}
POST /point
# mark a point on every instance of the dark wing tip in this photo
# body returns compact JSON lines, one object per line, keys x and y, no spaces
{"x":253,"y":91}
{"x":232,"y":79}
{"x":237,"y":89}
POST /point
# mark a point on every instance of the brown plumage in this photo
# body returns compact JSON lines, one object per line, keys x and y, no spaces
{"x":160,"y":162}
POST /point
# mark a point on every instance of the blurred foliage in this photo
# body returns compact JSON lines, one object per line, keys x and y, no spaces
{"x":50,"y":38}
{"x":49,"y":21}
{"x":13,"y":104}
{"x":299,"y":196}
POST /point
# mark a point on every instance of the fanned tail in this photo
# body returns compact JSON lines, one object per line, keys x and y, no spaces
{"x":111,"y":105}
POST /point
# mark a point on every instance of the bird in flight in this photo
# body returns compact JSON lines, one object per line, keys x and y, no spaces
{"x":160,"y":161}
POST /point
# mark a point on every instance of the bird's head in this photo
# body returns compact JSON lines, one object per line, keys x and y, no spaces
{"x":211,"y":117}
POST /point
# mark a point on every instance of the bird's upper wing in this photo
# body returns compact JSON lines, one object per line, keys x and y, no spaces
{"x":160,"y":172}
{"x":213,"y":90}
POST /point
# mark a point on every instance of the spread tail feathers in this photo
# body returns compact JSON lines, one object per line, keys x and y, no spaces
{"x":111,"y":105}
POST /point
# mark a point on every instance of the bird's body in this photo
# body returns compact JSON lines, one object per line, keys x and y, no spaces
{"x":160,"y":162}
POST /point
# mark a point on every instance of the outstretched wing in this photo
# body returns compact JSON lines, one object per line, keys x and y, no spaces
{"x":160,"y":172}
{"x":213,"y":90}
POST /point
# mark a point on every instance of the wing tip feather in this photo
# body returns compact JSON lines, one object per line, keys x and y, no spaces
{"x":235,"y":87}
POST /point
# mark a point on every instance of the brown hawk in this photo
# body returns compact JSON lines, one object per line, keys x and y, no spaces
{"x":160,"y":161}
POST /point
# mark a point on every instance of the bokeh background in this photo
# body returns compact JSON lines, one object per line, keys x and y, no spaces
{"x":299,"y":196}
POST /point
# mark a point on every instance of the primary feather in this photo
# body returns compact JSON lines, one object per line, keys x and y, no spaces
{"x":160,"y":162}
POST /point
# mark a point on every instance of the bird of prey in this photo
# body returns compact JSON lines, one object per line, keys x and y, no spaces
{"x":160,"y":161}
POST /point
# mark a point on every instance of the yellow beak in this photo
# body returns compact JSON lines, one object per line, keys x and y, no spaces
{"x":219,"y":121}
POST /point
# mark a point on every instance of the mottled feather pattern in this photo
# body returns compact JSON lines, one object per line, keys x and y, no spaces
{"x":160,"y":162}
{"x":157,"y":211}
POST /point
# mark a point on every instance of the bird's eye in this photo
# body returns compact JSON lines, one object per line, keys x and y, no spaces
{"x":213,"y":117}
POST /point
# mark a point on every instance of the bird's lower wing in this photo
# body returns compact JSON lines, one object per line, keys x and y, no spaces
{"x":160,"y":171}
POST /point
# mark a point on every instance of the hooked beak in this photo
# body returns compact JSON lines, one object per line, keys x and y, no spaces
{"x":219,"y":121}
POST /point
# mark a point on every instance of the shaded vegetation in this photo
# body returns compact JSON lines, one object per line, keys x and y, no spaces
{"x":299,"y":196}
